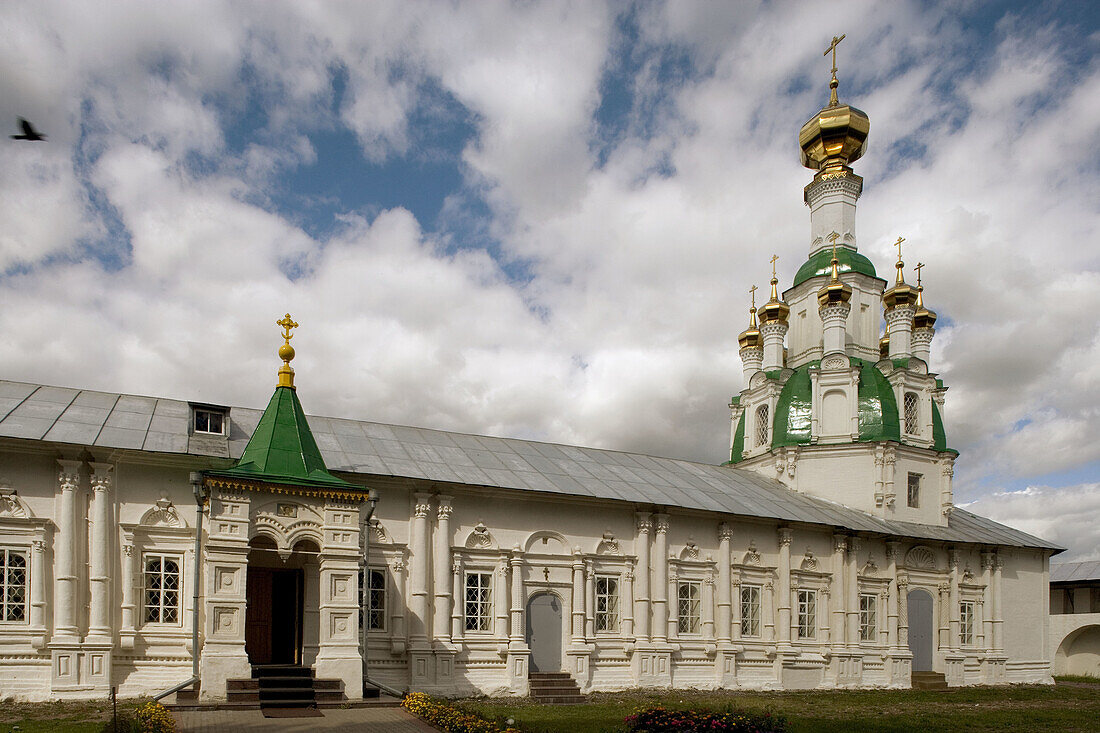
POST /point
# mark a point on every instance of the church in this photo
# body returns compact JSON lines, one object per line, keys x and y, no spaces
{"x":155,"y":544}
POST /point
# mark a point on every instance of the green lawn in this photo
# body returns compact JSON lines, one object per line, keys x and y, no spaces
{"x":85,"y":716}
{"x":1018,"y":708}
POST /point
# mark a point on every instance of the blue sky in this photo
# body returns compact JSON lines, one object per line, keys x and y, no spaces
{"x":542,"y":219}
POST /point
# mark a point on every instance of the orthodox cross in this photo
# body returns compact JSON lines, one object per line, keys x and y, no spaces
{"x":752,"y":292}
{"x":898,"y":245}
{"x":918,"y":269}
{"x":546,"y":574}
{"x":832,"y":47}
{"x":287,"y":324}
{"x":832,"y":238}
{"x":774,"y":258}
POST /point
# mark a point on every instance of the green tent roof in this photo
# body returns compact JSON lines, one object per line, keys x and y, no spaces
{"x":282,"y":449}
{"x":821,"y":263}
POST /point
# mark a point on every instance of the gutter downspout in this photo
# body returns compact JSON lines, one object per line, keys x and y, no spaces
{"x":364,"y":606}
{"x":200,"y":492}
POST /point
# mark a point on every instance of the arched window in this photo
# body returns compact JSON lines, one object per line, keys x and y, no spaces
{"x":762,"y":426}
{"x":912,"y":413}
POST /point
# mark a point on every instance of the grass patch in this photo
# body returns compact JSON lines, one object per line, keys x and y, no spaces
{"x":1016,"y":708}
{"x":1086,"y":678}
{"x":71,"y":716}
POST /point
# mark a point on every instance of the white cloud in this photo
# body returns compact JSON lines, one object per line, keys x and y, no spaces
{"x":1065,"y":516}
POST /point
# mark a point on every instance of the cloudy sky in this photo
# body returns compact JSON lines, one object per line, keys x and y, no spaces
{"x":542,"y":219}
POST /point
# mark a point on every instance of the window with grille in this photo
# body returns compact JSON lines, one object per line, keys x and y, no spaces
{"x":375,"y":610}
{"x":750,"y":610}
{"x":807,"y":614}
{"x":13,"y":585}
{"x":762,"y":426}
{"x":912,"y":413}
{"x":607,"y":603}
{"x":687,"y":605}
{"x":479,"y":601}
{"x":162,"y":589}
{"x":868,"y":617}
{"x":913,"y":490}
{"x":966,"y":623}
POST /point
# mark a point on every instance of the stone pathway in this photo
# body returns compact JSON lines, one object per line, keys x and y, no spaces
{"x":345,"y":720}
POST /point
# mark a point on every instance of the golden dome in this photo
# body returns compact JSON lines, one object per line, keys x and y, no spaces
{"x":884,"y":345}
{"x":750,"y":338}
{"x":902,"y":295}
{"x":837,"y":135}
{"x":834,"y":291}
{"x":923,"y":318}
{"x":775,"y":310}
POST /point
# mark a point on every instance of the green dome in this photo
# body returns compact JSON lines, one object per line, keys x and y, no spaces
{"x":821,"y":263}
{"x":878,"y":410}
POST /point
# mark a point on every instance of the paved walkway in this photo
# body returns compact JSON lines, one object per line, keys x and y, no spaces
{"x":345,"y":720}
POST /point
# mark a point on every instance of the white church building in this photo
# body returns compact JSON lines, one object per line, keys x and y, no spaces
{"x":143,"y":538}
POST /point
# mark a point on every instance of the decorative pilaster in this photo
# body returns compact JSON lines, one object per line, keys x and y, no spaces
{"x":944,"y":598}
{"x":418,"y":572}
{"x":641,"y":598}
{"x":673,"y":623}
{"x":660,"y":580}
{"x":99,"y":581}
{"x":441,"y":554}
{"x":725,"y":534}
{"x":398,"y":640}
{"x":892,"y":549}
{"x":840,"y":546}
{"x":851,"y":633}
{"x":338,"y":655}
{"x":458,"y":594}
{"x":501,"y":600}
{"x":784,"y":581}
{"x":903,"y":610}
{"x":129,"y":607}
{"x":578,"y":599}
{"x":998,"y":621}
{"x":64,"y":609}
{"x":38,"y":594}
{"x":589,"y":600}
{"x":947,"y":493}
{"x":767,"y":610}
{"x":516,"y":636}
{"x":953,"y":597}
{"x":988,"y":561}
{"x":708,"y":609}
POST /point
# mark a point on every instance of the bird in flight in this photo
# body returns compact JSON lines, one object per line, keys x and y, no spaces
{"x":29,"y":133}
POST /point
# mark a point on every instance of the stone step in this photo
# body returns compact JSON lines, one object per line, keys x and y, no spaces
{"x":549,"y":676}
{"x":563,"y":700}
{"x":552,"y":683}
{"x":928,"y":681}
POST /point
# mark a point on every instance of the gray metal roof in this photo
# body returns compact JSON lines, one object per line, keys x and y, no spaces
{"x":36,"y":412}
{"x":1074,"y":572}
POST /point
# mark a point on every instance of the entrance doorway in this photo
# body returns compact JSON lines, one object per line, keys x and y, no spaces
{"x":544,"y":619}
{"x":921,"y":607}
{"x":273,"y":615}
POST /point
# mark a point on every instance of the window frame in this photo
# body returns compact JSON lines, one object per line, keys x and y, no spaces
{"x":750,"y":618}
{"x":968,"y":611}
{"x":145,"y":589}
{"x":368,"y":608}
{"x":210,"y":410}
{"x":762,"y":418}
{"x":607,"y":620}
{"x":6,"y":552}
{"x":807,"y":613}
{"x":868,"y":618}
{"x":910,"y":417}
{"x":694,"y":600}
{"x":482,"y":620}
{"x":912,"y":497}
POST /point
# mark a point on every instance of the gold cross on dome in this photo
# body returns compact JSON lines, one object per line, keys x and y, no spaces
{"x":898,"y":245}
{"x":774,"y":258}
{"x":832,"y":47}
{"x":832,"y":238}
{"x":752,"y":292}
{"x":918,"y":269}
{"x":287,"y":323}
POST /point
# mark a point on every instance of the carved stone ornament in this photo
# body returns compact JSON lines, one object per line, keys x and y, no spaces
{"x":10,"y":506}
{"x":443,"y":513}
{"x":967,"y":576}
{"x":870,"y":569}
{"x":920,"y":558}
{"x":691,"y":551}
{"x":643,"y":522}
{"x":725,"y":533}
{"x":752,"y":557}
{"x":809,"y":562}
{"x":834,"y":361}
{"x":480,"y":538}
{"x":380,"y":536}
{"x":164,"y":514}
{"x":662,"y":523}
{"x":608,"y":545}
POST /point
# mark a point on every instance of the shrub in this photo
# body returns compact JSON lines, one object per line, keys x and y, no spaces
{"x":663,"y":720}
{"x":448,"y":718}
{"x":152,"y":717}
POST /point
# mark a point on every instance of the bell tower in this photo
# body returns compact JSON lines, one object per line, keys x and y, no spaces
{"x":828,"y":407}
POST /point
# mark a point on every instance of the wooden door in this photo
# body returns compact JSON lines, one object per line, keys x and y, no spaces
{"x":921,"y":606}
{"x":544,"y":619}
{"x":257,"y":635}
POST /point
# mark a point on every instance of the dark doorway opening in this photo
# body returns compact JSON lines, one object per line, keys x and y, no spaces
{"x":273,"y":628}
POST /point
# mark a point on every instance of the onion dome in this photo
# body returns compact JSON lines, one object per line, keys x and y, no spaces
{"x":750,"y":338}
{"x":923,"y":318}
{"x":834,"y":291}
{"x":902,"y":295}
{"x":775,"y":310}
{"x":837,"y":135}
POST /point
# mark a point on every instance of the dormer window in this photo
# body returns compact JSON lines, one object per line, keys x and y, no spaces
{"x":209,"y":421}
{"x":912,"y":413}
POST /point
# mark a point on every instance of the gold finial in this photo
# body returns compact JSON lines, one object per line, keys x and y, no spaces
{"x":900,"y":265}
{"x":774,"y":258}
{"x":835,"y":263}
{"x":920,"y":265}
{"x":752,"y":294}
{"x":923,"y":318}
{"x":775,"y":310}
{"x":833,"y":100}
{"x":834,"y":291}
{"x":286,"y":352}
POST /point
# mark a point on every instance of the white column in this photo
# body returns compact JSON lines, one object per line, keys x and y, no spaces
{"x":724,"y":589}
{"x":944,"y":599}
{"x":501,"y":600}
{"x":840,"y":545}
{"x":38,"y":593}
{"x":338,"y":654}
{"x":517,"y":637}
{"x":64,"y":607}
{"x":99,"y":581}
{"x":773,"y":333}
{"x":660,"y":580}
{"x":708,"y":607}
{"x":751,"y":361}
{"x":832,"y":203}
{"x":903,"y":611}
{"x":442,"y":620}
{"x":458,"y":593}
{"x":641,"y":598}
{"x":399,"y":606}
{"x":823,"y":598}
{"x":627,"y":604}
{"x":735,"y":608}
{"x":589,"y":600}
{"x":784,"y":571}
{"x":767,"y":611}
{"x":577,"y":601}
{"x":673,"y":623}
{"x":953,"y":598}
{"x":988,"y":559}
{"x":998,"y":622}
{"x":899,"y":321}
{"x":851,"y":632}
{"x":922,"y":343}
{"x":129,"y":607}
{"x":892,"y":549}
{"x":418,"y":573}
{"x":834,"y":318}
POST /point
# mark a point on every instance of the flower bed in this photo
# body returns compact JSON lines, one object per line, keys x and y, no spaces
{"x":663,"y":720}
{"x":448,"y":718}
